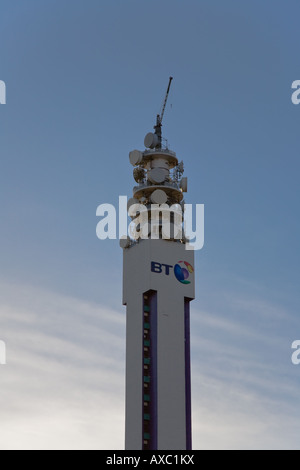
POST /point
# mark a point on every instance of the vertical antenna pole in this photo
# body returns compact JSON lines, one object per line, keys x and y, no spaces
{"x":159,"y":118}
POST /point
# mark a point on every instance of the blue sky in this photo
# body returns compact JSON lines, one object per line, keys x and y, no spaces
{"x":85,"y":81}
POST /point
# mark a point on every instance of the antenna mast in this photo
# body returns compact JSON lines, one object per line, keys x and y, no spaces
{"x":160,"y":116}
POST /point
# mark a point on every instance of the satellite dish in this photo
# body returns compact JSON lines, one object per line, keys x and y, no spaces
{"x":135,"y":157}
{"x":131,"y":202}
{"x":183,"y":184}
{"x":139,"y":174}
{"x":159,"y":197}
{"x":151,"y":140}
{"x":124,"y":242}
{"x":156,"y":176}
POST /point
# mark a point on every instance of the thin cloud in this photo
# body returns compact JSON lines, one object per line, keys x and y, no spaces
{"x":63,"y":386}
{"x":64,"y":383}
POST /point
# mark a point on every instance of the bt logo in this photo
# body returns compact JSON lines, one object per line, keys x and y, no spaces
{"x":182,"y":270}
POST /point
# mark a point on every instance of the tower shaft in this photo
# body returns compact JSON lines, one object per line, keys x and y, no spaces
{"x":158,"y":391}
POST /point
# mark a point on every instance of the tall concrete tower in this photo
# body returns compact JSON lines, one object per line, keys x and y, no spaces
{"x":158,"y":285}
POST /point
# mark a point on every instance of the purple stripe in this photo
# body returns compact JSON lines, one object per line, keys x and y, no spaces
{"x":188,"y":399}
{"x":153,"y":386}
{"x":152,"y":303}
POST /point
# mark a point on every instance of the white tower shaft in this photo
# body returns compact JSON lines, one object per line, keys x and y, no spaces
{"x":158,"y":395}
